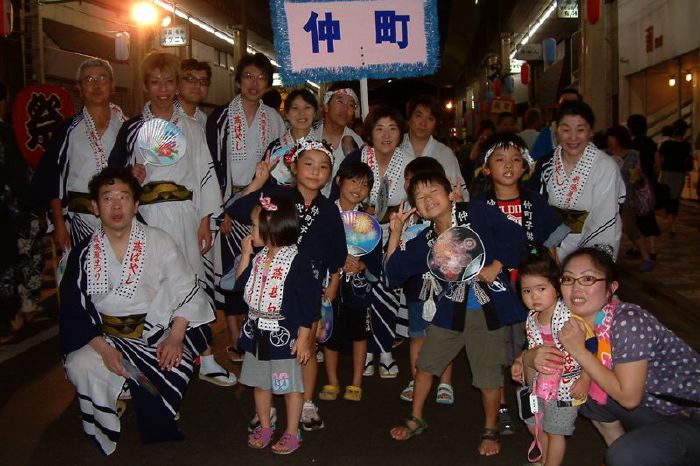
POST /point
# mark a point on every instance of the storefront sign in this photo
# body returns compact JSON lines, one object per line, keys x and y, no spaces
{"x":350,"y":39}
{"x":502,"y":105}
{"x":529,"y":52}
{"x":173,"y":36}
{"x":567,"y":9}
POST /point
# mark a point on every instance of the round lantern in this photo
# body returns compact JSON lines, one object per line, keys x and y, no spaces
{"x":525,"y":74}
{"x":121,"y":46}
{"x":509,"y":84}
{"x":549,"y":50}
{"x":593,"y":9}
{"x":497,"y":86}
{"x":5,"y":18}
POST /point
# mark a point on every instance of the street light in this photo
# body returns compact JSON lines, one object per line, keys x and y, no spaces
{"x":449,"y":105}
{"x":144,"y":13}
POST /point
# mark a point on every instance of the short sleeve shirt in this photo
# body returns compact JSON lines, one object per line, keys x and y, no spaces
{"x":673,"y":371}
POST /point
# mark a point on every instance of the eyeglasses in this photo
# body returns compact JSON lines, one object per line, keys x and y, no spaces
{"x":204,"y":82}
{"x":254,"y":77}
{"x":92,"y":80}
{"x":585,"y":280}
{"x":347,"y":103}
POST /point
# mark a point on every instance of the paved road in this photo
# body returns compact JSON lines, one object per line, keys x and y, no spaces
{"x":40,"y":421}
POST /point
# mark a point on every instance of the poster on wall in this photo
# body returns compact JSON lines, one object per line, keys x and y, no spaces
{"x":353,"y":39}
{"x":35,"y":113}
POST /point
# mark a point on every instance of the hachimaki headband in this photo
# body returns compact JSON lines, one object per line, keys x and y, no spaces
{"x":510,"y":145}
{"x":344,"y":91}
{"x":304,"y":144}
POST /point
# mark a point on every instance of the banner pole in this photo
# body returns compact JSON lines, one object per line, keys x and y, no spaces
{"x":364,"y":98}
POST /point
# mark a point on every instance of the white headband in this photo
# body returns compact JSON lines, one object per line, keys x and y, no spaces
{"x":508,"y":145}
{"x":345,"y":91}
{"x":304,"y":144}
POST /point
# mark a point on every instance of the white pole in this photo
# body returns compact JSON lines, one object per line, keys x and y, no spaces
{"x":364,"y":98}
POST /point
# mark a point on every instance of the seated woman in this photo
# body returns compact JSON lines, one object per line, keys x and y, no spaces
{"x":645,"y":379}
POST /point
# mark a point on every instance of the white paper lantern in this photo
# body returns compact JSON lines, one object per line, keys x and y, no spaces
{"x":121,"y":46}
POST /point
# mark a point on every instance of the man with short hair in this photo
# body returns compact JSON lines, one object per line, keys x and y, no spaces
{"x":129,"y":303}
{"x":193,"y":88}
{"x":80,"y":148}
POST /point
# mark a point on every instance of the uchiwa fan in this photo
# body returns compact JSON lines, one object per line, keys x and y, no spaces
{"x":161,"y":142}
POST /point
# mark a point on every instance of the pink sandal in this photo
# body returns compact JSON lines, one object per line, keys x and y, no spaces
{"x":260,"y":438}
{"x":287,"y":444}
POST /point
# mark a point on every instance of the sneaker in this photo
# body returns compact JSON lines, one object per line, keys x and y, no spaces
{"x":255,"y":422}
{"x":320,"y":357}
{"x":310,"y":420}
{"x":369,"y":368}
{"x":505,"y":421}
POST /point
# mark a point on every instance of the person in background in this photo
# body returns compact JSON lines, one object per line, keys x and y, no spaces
{"x":547,"y":139}
{"x":273,"y":99}
{"x":532,"y":123}
{"x":506,"y":122}
{"x":194,"y":88}
{"x":676,"y":162}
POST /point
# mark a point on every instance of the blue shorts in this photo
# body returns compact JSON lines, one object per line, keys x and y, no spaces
{"x":417,"y":325}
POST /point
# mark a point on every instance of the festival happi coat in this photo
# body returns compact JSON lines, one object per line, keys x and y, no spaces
{"x":75,"y":155}
{"x":131,"y":305}
{"x":588,"y":199}
{"x":193,"y":180}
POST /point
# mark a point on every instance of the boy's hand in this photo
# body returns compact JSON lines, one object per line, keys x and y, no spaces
{"x":398,"y":219}
{"x":489,"y":273}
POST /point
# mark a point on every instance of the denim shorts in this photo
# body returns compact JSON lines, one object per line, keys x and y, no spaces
{"x":417,"y":325}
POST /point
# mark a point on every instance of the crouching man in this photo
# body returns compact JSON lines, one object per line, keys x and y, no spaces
{"x":128,"y":302}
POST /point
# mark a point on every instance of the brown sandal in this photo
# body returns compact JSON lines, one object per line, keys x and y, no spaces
{"x":491,"y":435}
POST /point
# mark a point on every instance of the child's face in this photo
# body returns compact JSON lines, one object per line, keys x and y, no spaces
{"x":255,"y":227}
{"x":312,"y":169}
{"x":537,"y":292}
{"x":354,"y":190}
{"x":505,"y":167}
{"x":432,"y":200}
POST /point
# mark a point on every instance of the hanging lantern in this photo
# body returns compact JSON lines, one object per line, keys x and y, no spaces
{"x":549,"y":50}
{"x":121,"y":46}
{"x":497,"y":86}
{"x":5,"y":18}
{"x":525,"y":74}
{"x":488,"y":97}
{"x":593,"y":9}
{"x":509,"y":84}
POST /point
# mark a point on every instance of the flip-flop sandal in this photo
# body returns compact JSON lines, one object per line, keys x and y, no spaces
{"x":287,"y":444}
{"x":329,"y":393}
{"x":353,"y":393}
{"x":421,"y":425}
{"x":388,"y":372}
{"x":407,"y":393}
{"x":260,"y":438}
{"x":492,"y":435}
{"x":445,"y":394}
{"x":234,"y":355}
{"x":222,"y":379}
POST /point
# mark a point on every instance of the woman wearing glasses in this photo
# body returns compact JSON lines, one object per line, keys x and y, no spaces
{"x":645,"y":392}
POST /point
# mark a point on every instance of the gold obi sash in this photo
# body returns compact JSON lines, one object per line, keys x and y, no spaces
{"x":573,"y":219}
{"x":164,"y":191}
{"x":124,"y":326}
{"x":79,"y":203}
{"x":387,"y":215}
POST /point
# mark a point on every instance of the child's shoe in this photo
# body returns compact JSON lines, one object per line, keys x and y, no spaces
{"x":255,"y":422}
{"x":353,"y":393}
{"x":260,"y":438}
{"x":287,"y":444}
{"x":329,"y":393}
{"x":310,"y":420}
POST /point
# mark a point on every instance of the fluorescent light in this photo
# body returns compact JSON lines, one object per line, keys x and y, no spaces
{"x":181,"y":13}
{"x":535,"y":27}
{"x":313,"y":84}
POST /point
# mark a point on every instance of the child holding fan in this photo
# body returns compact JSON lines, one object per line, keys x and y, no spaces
{"x":277,"y":286}
{"x":321,"y":234}
{"x":351,"y":317}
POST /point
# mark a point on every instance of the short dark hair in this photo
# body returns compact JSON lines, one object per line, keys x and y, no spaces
{"x":503,"y":115}
{"x":539,"y":262}
{"x":576,"y":108}
{"x":569,"y":90}
{"x":426,"y":178}
{"x":306,"y":95}
{"x":278,"y":227}
{"x":355,"y":169}
{"x":601,"y":260}
{"x":258,"y":60}
{"x":622,"y":134}
{"x":383,"y":111}
{"x":272,"y":98}
{"x":427,"y":101}
{"x":484,"y":125}
{"x":110,"y":175}
{"x":423,"y":165}
{"x":667,"y":130}
{"x":637,"y":124}
{"x":679,"y":127}
{"x":532,"y":117}
{"x":190,"y":64}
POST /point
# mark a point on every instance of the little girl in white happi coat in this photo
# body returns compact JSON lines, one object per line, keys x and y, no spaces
{"x":279,"y":287}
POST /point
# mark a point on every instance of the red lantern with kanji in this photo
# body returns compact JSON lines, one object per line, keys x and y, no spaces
{"x":525,"y":74}
{"x":593,"y":8}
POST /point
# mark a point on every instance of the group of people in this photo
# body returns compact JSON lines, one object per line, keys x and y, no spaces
{"x":248,"y":221}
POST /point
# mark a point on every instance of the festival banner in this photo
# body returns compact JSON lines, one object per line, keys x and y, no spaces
{"x":326,"y":40}
{"x":35,"y":113}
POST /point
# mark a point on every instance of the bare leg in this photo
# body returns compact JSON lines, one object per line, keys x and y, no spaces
{"x":491,"y":401}
{"x":359,"y":353}
{"x":331,"y":366}
{"x":555,"y":450}
{"x":233,"y":330}
{"x":423,"y":384}
{"x":294,"y":402}
{"x":310,"y":371}
{"x":263,"y":402}
{"x":610,"y":431}
{"x":413,"y":350}
{"x":446,"y":376}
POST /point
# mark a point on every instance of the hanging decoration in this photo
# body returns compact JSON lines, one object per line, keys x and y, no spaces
{"x":593,"y":9}
{"x":322,"y":40}
{"x":509,"y":84}
{"x":6,"y":18}
{"x":525,"y":74}
{"x":122,"y":46}
{"x":549,"y":50}
{"x":497,"y":87}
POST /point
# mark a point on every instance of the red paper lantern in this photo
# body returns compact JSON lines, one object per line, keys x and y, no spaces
{"x":593,"y":8}
{"x":525,"y":74}
{"x":5,"y":18}
{"x":497,"y":85}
